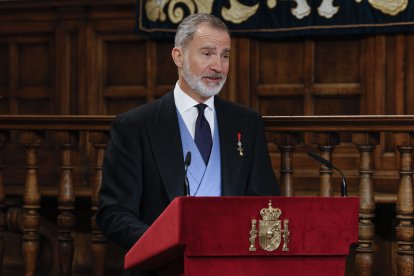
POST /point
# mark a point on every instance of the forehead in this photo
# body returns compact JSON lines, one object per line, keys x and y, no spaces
{"x":206,"y":36}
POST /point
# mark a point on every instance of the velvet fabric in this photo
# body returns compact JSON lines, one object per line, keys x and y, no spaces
{"x":212,"y":235}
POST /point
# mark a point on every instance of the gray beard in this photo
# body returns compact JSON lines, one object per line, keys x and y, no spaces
{"x":199,"y":86}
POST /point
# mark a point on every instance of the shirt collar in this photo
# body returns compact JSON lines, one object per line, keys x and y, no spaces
{"x":183,"y":102}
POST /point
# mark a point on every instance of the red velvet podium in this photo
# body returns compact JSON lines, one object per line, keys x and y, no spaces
{"x":212,"y":236}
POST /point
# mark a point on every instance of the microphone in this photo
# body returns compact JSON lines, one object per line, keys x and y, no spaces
{"x":187,"y":163}
{"x":331,"y":166}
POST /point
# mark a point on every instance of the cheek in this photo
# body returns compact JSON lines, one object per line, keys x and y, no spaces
{"x":198,"y":67}
{"x":226,"y":67}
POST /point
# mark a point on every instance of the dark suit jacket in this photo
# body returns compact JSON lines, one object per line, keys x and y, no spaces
{"x":143,"y":169}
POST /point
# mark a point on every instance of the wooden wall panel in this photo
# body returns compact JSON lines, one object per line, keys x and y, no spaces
{"x":131,"y":70}
{"x":69,"y":74}
{"x":34,"y":64}
{"x":329,"y":105}
{"x":135,"y":71}
{"x":374,"y":73}
{"x":27,"y":74}
{"x":277,"y":86}
{"x":337,"y":77}
{"x":409,"y":74}
{"x":124,"y":73}
{"x":394,"y":64}
{"x":310,"y":77}
{"x":165,"y":70}
{"x":72,"y":83}
{"x":280,"y":63}
{"x":324,"y":74}
{"x":125,"y":63}
{"x":282,"y":105}
{"x":116,"y":65}
{"x":337,"y":61}
{"x":4,"y":78}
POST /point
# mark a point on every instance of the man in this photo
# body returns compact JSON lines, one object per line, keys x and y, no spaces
{"x":144,"y":163}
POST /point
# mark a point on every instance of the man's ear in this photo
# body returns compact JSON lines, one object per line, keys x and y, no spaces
{"x":177,"y":55}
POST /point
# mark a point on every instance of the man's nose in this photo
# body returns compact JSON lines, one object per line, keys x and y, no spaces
{"x":217,"y":64}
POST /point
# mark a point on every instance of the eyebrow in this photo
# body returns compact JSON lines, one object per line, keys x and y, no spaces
{"x":226,"y":50}
{"x":208,"y":48}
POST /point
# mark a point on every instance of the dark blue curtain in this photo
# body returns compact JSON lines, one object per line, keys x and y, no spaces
{"x":282,"y":18}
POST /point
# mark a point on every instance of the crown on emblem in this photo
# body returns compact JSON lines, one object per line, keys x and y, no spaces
{"x":270,"y":213}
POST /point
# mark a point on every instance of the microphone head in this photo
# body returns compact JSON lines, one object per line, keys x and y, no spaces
{"x":320,"y":159}
{"x":330,"y":166}
{"x":187,"y":160}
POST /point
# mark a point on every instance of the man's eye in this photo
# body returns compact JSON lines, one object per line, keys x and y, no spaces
{"x":207,"y":54}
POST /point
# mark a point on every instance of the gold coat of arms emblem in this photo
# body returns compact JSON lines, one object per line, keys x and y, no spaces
{"x":271,"y":233}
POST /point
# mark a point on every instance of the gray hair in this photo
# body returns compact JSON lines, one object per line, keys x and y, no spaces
{"x":189,"y":25}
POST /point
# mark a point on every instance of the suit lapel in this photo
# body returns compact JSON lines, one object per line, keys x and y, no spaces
{"x":229,"y":125}
{"x":165,"y":139}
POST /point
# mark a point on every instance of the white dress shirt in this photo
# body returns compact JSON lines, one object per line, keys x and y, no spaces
{"x":186,"y":107}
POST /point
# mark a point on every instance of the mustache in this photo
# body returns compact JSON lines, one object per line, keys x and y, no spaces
{"x":215,"y":76}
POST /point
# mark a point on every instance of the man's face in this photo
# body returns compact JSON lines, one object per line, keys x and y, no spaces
{"x":205,"y":62}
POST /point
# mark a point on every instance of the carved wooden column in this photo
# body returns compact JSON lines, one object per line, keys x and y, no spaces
{"x":405,"y":228}
{"x":286,"y":143}
{"x":364,"y":258}
{"x":66,"y":202}
{"x":31,"y":202}
{"x":99,"y":243}
{"x":326,"y":143}
{"x":3,"y":141}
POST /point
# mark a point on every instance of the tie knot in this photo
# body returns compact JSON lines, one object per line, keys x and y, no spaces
{"x":201,"y":107}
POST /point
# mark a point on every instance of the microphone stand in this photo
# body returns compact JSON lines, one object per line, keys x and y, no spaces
{"x":331,"y":166}
{"x":187,"y":163}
